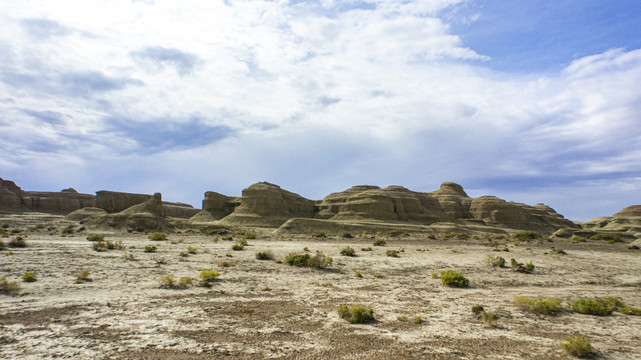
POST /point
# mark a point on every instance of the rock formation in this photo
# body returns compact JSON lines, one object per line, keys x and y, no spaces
{"x":114,"y":202}
{"x":147,"y":216}
{"x":215,"y":207}
{"x":626,"y":222}
{"x":265,"y":204}
{"x":14,"y":199}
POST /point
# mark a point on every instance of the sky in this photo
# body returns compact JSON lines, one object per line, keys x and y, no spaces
{"x":530,"y":101}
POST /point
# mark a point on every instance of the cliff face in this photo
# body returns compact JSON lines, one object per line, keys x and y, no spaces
{"x":14,"y":199}
{"x":114,"y":202}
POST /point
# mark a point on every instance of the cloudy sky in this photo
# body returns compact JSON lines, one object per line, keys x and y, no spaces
{"x":531,"y":101}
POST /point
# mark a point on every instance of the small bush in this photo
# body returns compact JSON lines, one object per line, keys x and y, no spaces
{"x":379,"y":276}
{"x":417,"y":319}
{"x":82,"y":276}
{"x":517,"y":266}
{"x":167,"y":282}
{"x":68,"y":230}
{"x":527,"y":236}
{"x":435,"y":275}
{"x":348,"y":251}
{"x":250,"y":235}
{"x":213,"y":231}
{"x":495,"y":261}
{"x":356,"y":314}
{"x":29,"y":277}
{"x":397,"y":233}
{"x":598,"y":307}
{"x":185,"y":282}
{"x":538,"y":305}
{"x":265,"y":255}
{"x":95,"y":237}
{"x":577,"y":346}
{"x":401,"y":318}
{"x":17,"y":242}
{"x":357,"y":273}
{"x":379,"y":242}
{"x":489,"y":318}
{"x":320,"y":235}
{"x":207,"y":277}
{"x":7,"y":287}
{"x":191,"y":250}
{"x":392,"y":253}
{"x":630,"y":310}
{"x":237,"y":247}
{"x":631,"y":247}
{"x":224,"y":263}
{"x":318,"y":261}
{"x":454,"y":279}
{"x":150,"y":249}
{"x":242,"y":242}
{"x":227,"y":238}
{"x":347,"y":235}
{"x":158,"y":236}
{"x":367,"y":249}
{"x":128,"y":256}
{"x":605,"y":236}
{"x":577,"y":239}
{"x":477,"y":309}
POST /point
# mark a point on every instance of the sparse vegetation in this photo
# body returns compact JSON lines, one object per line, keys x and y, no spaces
{"x":29,"y":277}
{"x":83,"y":277}
{"x":556,"y":251}
{"x":317,"y":261}
{"x":454,"y":279}
{"x":597,"y":306}
{"x":1,"y":245}
{"x":157,"y":236}
{"x":346,"y":235}
{"x":606,"y":236}
{"x":95,"y":237}
{"x":392,"y":253}
{"x":128,"y":256}
{"x":348,"y":251}
{"x":320,"y":235}
{"x":417,"y":319}
{"x":265,"y":255}
{"x":104,"y":245}
{"x":517,"y":266}
{"x":489,"y":318}
{"x":397,"y":233}
{"x":357,"y":273}
{"x":242,"y":242}
{"x":356,"y":314}
{"x":527,"y":236}
{"x":379,"y":242}
{"x":224,"y":263}
{"x":214,"y":231}
{"x":367,"y":249}
{"x":18,"y":242}
{"x":578,"y":346}
{"x":577,"y":239}
{"x":477,"y":309}
{"x":207,"y":277}
{"x":237,"y":247}
{"x":250,"y":235}
{"x":538,"y":305}
{"x":150,"y":249}
{"x":192,"y":250}
{"x":68,"y":230}
{"x":495,"y":261}
{"x":8,"y":287}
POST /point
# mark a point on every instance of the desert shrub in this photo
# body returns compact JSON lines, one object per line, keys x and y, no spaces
{"x":242,"y":242}
{"x":379,"y":242}
{"x":207,"y":277}
{"x":527,"y":236}
{"x":462,"y":236}
{"x":517,"y":266}
{"x":318,"y":261}
{"x":158,"y":236}
{"x":150,"y":249}
{"x":538,"y":305}
{"x":556,"y":251}
{"x":237,"y":247}
{"x":107,"y":245}
{"x":489,"y":318}
{"x":29,"y":277}
{"x":578,"y":346}
{"x":417,"y":319}
{"x":224,"y":263}
{"x":95,"y":237}
{"x":167,"y":282}
{"x":346,"y":235}
{"x":435,"y":275}
{"x":477,"y":309}
{"x":306,"y":249}
{"x":495,"y":261}
{"x":1,"y":245}
{"x":7,"y":287}
{"x":185,"y":282}
{"x":599,"y":307}
{"x":379,"y":276}
{"x":605,"y":236}
{"x":17,"y":242}
{"x":227,"y":238}
{"x":577,"y":239}
{"x":191,"y":250}
{"x":128,"y":256}
{"x":357,"y":273}
{"x":320,"y":235}
{"x":213,"y":231}
{"x":401,"y":318}
{"x":265,"y":255}
{"x":82,"y":276}
{"x":183,"y":254}
{"x":630,"y":310}
{"x":397,"y":233}
{"x":449,"y":235}
{"x":250,"y":235}
{"x":369,"y":248}
{"x":453,"y":279}
{"x":68,"y":230}
{"x":356,"y":314}
{"x":631,"y":247}
{"x":348,"y":251}
{"x":392,"y":253}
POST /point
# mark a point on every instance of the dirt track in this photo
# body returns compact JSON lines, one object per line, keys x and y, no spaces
{"x":263,"y":309}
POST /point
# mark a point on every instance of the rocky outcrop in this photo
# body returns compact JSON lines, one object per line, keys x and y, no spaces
{"x":630,"y":211}
{"x":147,"y":216}
{"x":625,"y":223}
{"x":14,"y":199}
{"x":215,"y":207}
{"x":81,"y":214}
{"x":114,"y":202}
{"x":265,"y":204}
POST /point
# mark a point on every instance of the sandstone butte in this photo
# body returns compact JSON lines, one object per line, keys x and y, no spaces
{"x":357,"y":209}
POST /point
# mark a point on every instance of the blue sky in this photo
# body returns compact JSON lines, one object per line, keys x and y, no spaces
{"x":533,"y":101}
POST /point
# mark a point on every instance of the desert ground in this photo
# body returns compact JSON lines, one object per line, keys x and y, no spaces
{"x":259,"y":309}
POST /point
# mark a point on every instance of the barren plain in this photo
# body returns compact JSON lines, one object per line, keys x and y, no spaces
{"x":258,"y":309}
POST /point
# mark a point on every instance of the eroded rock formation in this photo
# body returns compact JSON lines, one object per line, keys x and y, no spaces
{"x":114,"y":202}
{"x":215,"y":207}
{"x":14,"y":199}
{"x":146,"y":216}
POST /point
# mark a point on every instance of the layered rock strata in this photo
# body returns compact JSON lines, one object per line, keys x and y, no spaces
{"x":114,"y":202}
{"x":14,"y":199}
{"x":147,"y":216}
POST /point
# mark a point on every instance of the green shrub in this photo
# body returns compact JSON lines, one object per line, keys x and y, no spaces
{"x":158,"y":236}
{"x":95,"y":237}
{"x":7,"y":287}
{"x":392,"y":253}
{"x":453,"y":279}
{"x":207,"y":277}
{"x":606,"y":236}
{"x":397,"y":233}
{"x":265,"y":255}
{"x":150,"y":249}
{"x":68,"y":230}
{"x":29,"y":277}
{"x":242,"y":242}
{"x":489,"y":318}
{"x":237,"y":247}
{"x":356,"y":314}
{"x":577,"y":346}
{"x":82,"y":276}
{"x":462,"y":236}
{"x":320,"y":235}
{"x":191,"y":250}
{"x":598,"y":306}
{"x":348,"y":251}
{"x":17,"y":242}
{"x":495,"y":261}
{"x":367,"y":249}
{"x":347,"y":235}
{"x":318,"y":261}
{"x":358,"y":273}
{"x":250,"y":235}
{"x":224,"y":263}
{"x":435,"y":275}
{"x":631,"y":247}
{"x":401,"y":318}
{"x":379,"y":242}
{"x":128,"y":256}
{"x":228,"y":238}
{"x":577,"y":239}
{"x":213,"y":231}
{"x":167,"y":282}
{"x":527,"y":236}
{"x":538,"y":305}
{"x":517,"y":266}
{"x":185,"y":282}
{"x":417,"y":319}
{"x":556,"y":251}
{"x":630,"y":310}
{"x":477,"y":309}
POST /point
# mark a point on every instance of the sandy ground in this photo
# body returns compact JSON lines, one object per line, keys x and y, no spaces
{"x":263,"y":309}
